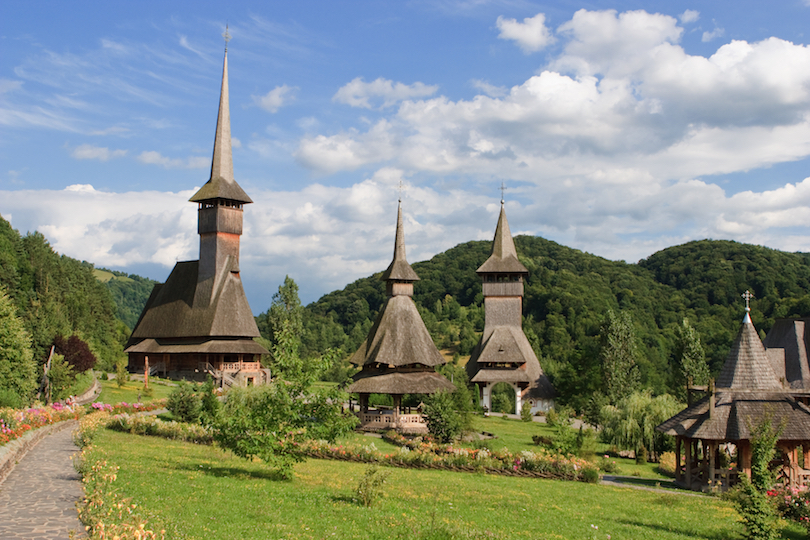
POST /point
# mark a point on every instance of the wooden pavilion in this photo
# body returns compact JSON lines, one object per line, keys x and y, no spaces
{"x":199,"y":321}
{"x":398,"y":357}
{"x":747,"y":392}
{"x":504,"y":354}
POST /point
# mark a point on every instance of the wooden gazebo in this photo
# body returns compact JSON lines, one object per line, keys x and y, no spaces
{"x":398,"y":357}
{"x":747,"y":392}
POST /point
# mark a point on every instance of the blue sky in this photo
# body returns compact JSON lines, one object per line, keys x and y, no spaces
{"x":619,"y":128}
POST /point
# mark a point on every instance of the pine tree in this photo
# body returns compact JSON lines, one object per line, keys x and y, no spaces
{"x":18,"y":373}
{"x":619,"y":356}
{"x":691,"y":357}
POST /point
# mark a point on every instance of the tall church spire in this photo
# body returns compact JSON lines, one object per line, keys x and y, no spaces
{"x":221,"y":184}
{"x":399,"y":269}
{"x":222,"y":164}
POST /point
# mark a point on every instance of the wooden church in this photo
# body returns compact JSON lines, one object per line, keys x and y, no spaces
{"x":198,"y":322}
{"x":504,"y":354}
{"x":398,"y":357}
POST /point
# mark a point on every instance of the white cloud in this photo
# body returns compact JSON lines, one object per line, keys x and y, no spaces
{"x":276,"y":98}
{"x":152,"y":157}
{"x":531,"y":35}
{"x":716,"y":33}
{"x":689,"y":16}
{"x":359,"y":93}
{"x":88,"y":151}
{"x":235,"y":143}
{"x":490,"y":89}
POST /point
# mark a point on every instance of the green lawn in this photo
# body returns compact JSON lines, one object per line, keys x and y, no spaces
{"x":110,"y":393}
{"x":203,"y":492}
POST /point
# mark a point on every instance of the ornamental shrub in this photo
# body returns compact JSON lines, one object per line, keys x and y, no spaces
{"x":184,"y":403}
{"x":443,"y":421}
{"x":76,"y":351}
{"x":370,"y":487}
{"x":526,"y":412}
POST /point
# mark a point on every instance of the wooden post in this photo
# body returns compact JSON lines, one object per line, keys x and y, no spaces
{"x":744,"y":457}
{"x":688,"y":451}
{"x":146,"y":372}
{"x":678,"y":473}
{"x":711,"y":462}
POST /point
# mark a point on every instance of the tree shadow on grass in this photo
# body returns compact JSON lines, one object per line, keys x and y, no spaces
{"x":234,"y":472}
{"x":636,"y":481}
{"x":720,"y":535}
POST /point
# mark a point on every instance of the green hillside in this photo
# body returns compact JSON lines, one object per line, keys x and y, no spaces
{"x":57,"y":295}
{"x":129,"y":292}
{"x":568,"y":294}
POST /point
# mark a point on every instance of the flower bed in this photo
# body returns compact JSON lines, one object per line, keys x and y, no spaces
{"x":124,"y":407}
{"x":429,"y":455}
{"x":14,"y":423}
{"x":104,"y":510}
{"x":151,"y":425}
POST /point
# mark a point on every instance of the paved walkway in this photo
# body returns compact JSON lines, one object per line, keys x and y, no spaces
{"x":38,"y":498}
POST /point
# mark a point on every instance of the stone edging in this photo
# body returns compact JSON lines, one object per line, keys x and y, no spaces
{"x":90,"y":394}
{"x":13,"y":452}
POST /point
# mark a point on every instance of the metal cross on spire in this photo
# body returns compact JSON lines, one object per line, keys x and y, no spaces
{"x":400,"y":188}
{"x":502,"y":188}
{"x":747,"y":296}
{"x":227,"y":37}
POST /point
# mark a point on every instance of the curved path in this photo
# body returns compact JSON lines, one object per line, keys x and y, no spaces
{"x":38,"y":498}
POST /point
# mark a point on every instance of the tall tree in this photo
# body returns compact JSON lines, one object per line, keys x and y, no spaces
{"x":18,"y":374}
{"x":619,"y":356}
{"x":285,"y":310}
{"x":691,"y":358}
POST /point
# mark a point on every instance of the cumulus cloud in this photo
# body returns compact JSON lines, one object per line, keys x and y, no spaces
{"x":716,"y":33}
{"x":689,"y":16}
{"x":151,"y":157}
{"x":490,"y":89}
{"x":531,"y":35}
{"x":276,"y":98}
{"x":88,"y":151}
{"x":358,"y":93}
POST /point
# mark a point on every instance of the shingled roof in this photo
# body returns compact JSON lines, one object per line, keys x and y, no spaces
{"x":171,"y":311}
{"x":397,"y":382}
{"x":747,"y":366}
{"x":737,"y":413}
{"x":398,"y":338}
{"x":221,"y":184}
{"x":786,"y":345}
{"x":504,"y":259}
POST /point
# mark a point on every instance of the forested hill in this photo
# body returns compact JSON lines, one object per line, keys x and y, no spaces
{"x":129,"y":292}
{"x":568,"y":294}
{"x":56,"y":295}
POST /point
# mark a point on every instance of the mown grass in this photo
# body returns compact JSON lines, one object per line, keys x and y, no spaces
{"x":110,"y":393}
{"x":203,"y":492}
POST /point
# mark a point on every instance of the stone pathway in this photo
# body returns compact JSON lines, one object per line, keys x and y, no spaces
{"x":38,"y":498}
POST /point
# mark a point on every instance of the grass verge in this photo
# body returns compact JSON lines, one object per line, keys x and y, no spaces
{"x":110,"y":393}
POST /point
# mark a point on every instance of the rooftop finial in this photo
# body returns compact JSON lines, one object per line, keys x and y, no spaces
{"x":747,"y":296}
{"x":502,"y":188}
{"x":227,"y":37}
{"x":400,"y":189}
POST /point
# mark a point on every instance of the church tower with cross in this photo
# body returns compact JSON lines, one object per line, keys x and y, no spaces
{"x":504,"y":355}
{"x":398,"y":356}
{"x":199,"y":322}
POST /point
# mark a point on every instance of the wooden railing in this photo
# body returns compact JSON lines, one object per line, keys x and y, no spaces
{"x":388,"y":418}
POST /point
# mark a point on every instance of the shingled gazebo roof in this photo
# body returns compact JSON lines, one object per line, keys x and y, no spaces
{"x":737,"y":413}
{"x":747,"y":366}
